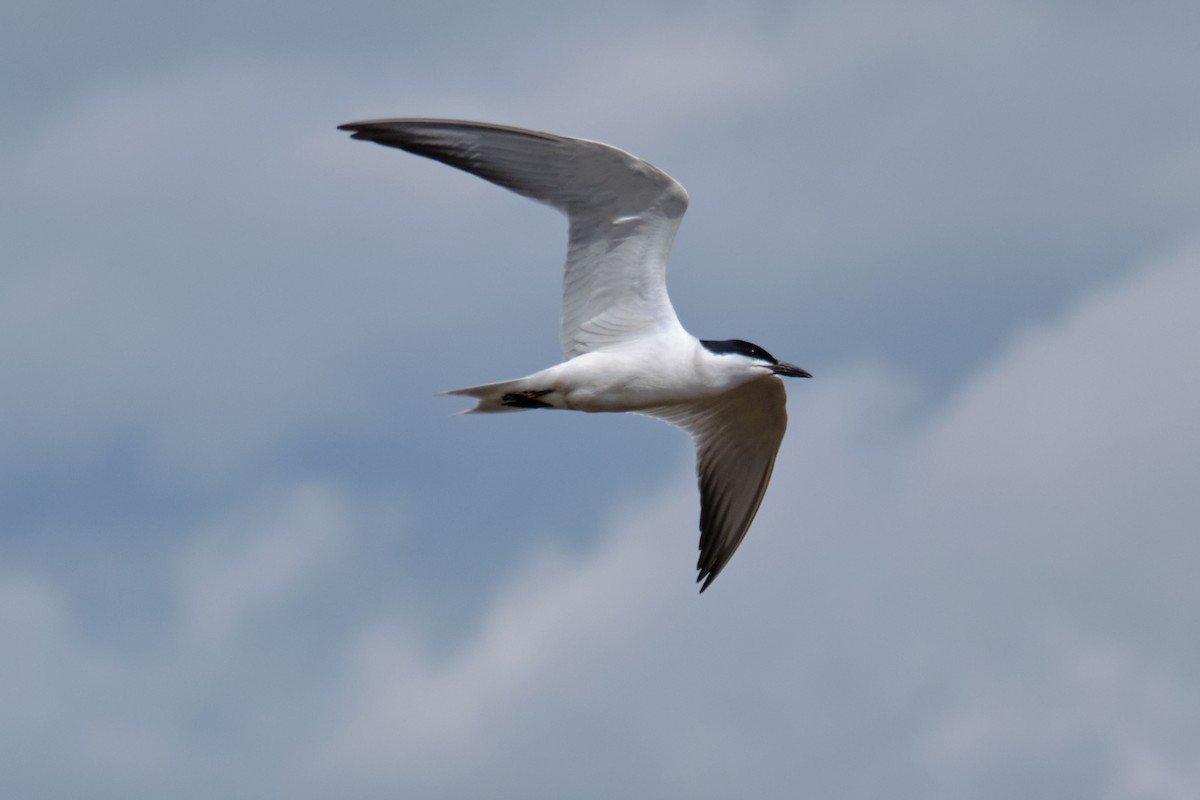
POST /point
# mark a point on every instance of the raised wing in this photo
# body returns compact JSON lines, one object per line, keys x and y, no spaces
{"x":623,"y":215}
{"x":737,"y":436}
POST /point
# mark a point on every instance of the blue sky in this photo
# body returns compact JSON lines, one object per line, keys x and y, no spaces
{"x":245,"y":552}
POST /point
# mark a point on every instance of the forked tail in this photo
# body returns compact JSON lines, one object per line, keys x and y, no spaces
{"x":494,"y":398}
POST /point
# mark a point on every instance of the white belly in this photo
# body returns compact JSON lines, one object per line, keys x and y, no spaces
{"x":628,"y":381}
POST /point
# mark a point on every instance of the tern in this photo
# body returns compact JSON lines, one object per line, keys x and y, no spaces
{"x":624,"y":348}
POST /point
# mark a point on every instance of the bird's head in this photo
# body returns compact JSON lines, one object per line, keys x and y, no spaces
{"x":753,"y":357}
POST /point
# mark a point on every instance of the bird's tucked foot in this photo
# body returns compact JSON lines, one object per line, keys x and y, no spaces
{"x":526,"y":399}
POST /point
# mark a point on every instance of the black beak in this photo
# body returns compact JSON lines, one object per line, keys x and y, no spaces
{"x":790,"y":371}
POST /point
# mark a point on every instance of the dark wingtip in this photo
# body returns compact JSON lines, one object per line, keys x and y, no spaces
{"x":358,"y":130}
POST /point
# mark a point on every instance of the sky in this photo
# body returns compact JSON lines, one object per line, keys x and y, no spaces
{"x":246,"y":552}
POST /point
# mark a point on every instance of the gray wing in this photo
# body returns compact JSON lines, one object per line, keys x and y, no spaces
{"x":737,"y":436}
{"x":623,"y":215}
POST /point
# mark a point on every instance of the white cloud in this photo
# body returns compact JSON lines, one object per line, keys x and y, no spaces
{"x":991,"y":601}
{"x":1115,"y":699}
{"x":193,"y":252}
{"x":405,"y":708}
{"x":253,"y":562}
{"x":906,"y":614}
{"x":163,"y":284}
{"x":75,"y":714}
{"x":945,"y":598}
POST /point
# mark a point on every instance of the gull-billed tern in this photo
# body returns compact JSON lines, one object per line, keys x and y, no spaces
{"x":623,"y":347}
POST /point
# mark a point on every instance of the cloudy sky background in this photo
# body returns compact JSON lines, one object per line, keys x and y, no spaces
{"x":244,"y":551}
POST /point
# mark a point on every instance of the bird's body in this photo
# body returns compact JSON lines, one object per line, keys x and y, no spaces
{"x":623,"y":346}
{"x":617,"y":379}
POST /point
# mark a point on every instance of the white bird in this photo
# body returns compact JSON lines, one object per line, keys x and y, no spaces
{"x":623,"y":347}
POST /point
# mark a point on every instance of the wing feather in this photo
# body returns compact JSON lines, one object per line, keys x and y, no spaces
{"x":737,"y":436}
{"x":623,"y":214}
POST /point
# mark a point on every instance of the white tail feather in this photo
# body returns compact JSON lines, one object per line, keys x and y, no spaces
{"x":489,"y":396}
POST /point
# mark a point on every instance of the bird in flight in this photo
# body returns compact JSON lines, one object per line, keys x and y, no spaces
{"x":623,"y":347}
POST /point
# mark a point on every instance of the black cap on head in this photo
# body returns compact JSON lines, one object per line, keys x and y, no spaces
{"x":740,"y":346}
